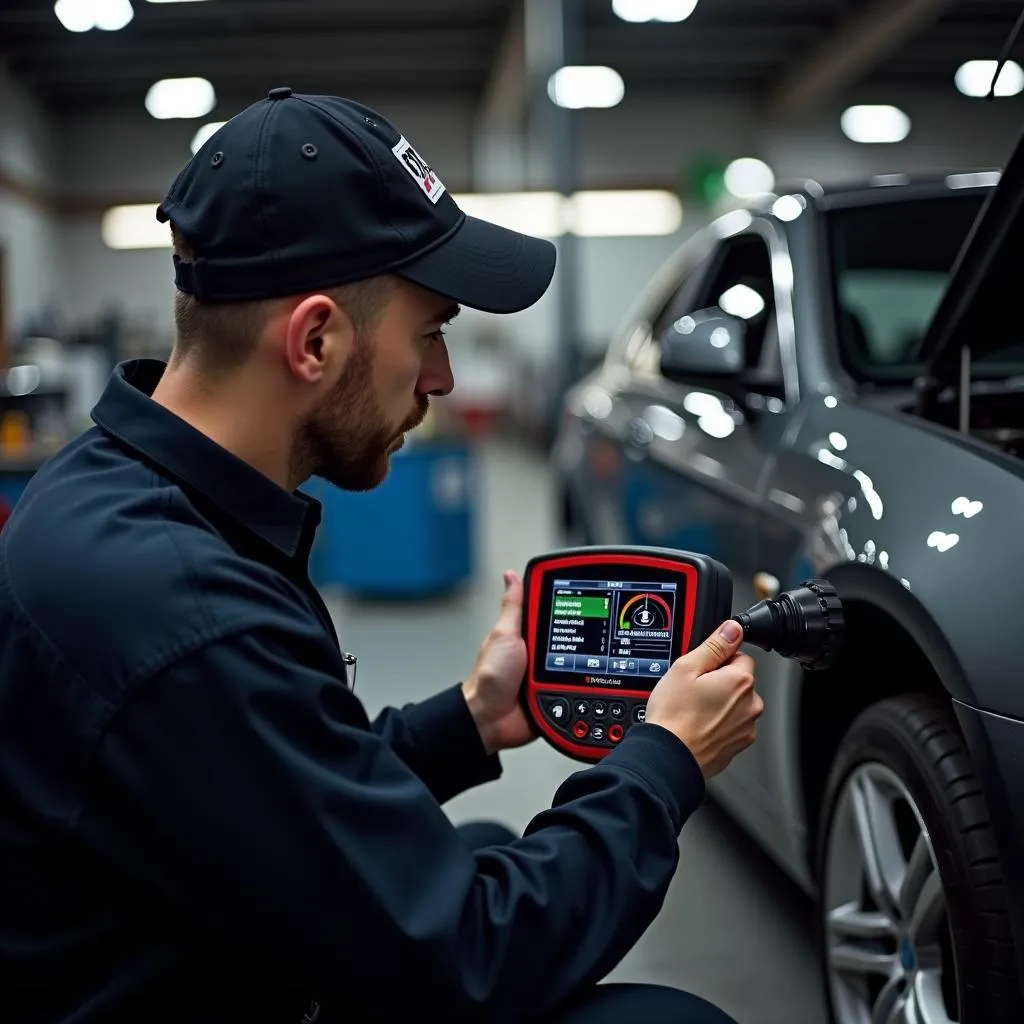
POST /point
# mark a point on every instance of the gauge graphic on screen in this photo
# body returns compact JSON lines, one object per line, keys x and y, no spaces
{"x":645,"y":611}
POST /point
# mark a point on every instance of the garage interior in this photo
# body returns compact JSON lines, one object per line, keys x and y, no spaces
{"x":690,"y":110}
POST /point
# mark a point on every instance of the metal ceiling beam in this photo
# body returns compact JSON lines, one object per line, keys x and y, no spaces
{"x":861,"y":44}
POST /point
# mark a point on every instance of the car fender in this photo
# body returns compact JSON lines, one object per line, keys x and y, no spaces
{"x":855,"y":581}
{"x":923,"y":522}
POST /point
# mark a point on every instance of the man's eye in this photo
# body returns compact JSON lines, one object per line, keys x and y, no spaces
{"x":437,"y":335}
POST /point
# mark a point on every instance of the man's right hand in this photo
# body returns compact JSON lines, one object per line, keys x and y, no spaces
{"x":707,"y":699}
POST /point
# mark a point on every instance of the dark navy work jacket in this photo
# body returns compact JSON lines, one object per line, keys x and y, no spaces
{"x":198,"y":822}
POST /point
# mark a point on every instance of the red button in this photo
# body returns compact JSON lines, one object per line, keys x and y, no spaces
{"x":580,"y":730}
{"x":616,"y":732}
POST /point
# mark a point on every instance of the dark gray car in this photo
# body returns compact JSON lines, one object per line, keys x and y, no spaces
{"x":788,"y":396}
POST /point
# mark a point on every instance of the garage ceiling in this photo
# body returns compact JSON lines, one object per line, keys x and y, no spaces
{"x":438,"y":50}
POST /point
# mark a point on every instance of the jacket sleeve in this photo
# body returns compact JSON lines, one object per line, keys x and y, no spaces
{"x":248,"y":794}
{"x":439,"y":741}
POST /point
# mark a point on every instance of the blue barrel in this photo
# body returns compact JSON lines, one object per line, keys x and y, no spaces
{"x":411,"y":537}
{"x":12,"y":483}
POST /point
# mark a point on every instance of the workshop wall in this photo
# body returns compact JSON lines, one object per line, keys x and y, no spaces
{"x":644,"y":142}
{"x":29,"y":231}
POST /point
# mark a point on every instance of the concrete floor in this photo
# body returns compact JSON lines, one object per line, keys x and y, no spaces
{"x":733,"y":928}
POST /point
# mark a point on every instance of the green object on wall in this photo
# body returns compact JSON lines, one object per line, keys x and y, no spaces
{"x":704,"y":180}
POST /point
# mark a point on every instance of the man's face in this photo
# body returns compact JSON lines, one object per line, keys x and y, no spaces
{"x":382,"y":392}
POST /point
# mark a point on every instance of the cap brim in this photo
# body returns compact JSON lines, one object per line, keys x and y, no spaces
{"x":486,"y":267}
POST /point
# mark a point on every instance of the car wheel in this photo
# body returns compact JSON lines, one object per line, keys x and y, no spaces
{"x":913,"y":913}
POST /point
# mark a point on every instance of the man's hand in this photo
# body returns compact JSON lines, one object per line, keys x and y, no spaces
{"x":707,"y":698}
{"x":492,"y":689}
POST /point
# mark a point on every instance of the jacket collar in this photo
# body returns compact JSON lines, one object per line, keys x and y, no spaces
{"x":127,"y":412}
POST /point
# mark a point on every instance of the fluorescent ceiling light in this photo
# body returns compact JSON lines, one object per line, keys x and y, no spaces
{"x":533,"y":213}
{"x":598,"y":214}
{"x":83,"y":15}
{"x":202,"y":136}
{"x":576,"y":87}
{"x":134,"y":227}
{"x":974,"y":78}
{"x":748,"y":177}
{"x":180,"y":97}
{"x":654,"y":10}
{"x":623,"y":213}
{"x":875,"y":123}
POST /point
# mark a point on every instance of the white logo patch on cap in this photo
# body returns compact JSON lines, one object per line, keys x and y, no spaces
{"x":418,"y":168}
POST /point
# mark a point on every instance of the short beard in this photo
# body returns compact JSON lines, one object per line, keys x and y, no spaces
{"x":346,"y":440}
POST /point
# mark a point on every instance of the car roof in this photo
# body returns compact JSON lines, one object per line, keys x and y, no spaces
{"x":882,"y":188}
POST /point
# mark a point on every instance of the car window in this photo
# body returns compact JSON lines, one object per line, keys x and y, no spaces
{"x":889,"y":267}
{"x":890,"y":309}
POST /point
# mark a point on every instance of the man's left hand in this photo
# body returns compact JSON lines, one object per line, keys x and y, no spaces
{"x":492,"y":689}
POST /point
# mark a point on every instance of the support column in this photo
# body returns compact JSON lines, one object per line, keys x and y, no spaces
{"x":553,"y":41}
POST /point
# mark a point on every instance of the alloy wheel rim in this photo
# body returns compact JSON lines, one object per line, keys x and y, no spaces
{"x":887,"y":948}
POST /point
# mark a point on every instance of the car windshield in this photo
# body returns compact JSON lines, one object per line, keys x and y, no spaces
{"x":890,"y":263}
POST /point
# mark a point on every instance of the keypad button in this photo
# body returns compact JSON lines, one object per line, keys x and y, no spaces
{"x":557,"y":710}
{"x":640,"y":713}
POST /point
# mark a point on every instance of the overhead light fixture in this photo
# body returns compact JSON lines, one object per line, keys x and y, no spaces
{"x":748,"y":177}
{"x":84,"y":15}
{"x":974,"y":78}
{"x":203,"y":135}
{"x":180,"y":97}
{"x":579,"y":86}
{"x":134,"y":227}
{"x":591,"y":214}
{"x":654,"y":10}
{"x":623,"y":213}
{"x":533,"y":213}
{"x":875,"y":123}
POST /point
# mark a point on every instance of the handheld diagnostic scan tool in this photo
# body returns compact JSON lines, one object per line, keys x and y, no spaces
{"x":602,"y":625}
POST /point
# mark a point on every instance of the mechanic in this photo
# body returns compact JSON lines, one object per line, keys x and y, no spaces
{"x":198,"y":822}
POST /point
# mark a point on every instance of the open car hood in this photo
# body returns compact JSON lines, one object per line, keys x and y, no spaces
{"x":979,"y":308}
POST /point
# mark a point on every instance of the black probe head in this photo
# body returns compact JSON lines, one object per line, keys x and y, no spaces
{"x":805,"y":624}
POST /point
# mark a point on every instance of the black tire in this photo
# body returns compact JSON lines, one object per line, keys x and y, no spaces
{"x":916,"y":739}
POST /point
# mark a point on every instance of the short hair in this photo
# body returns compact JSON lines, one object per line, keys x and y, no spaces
{"x":220,"y":336}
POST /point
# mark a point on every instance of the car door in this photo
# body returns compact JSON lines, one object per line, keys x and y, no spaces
{"x":698,"y":454}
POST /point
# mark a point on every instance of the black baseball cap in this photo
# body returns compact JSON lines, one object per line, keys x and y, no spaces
{"x":299,"y":192}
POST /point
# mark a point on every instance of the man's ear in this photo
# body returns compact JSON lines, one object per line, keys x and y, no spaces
{"x":319,"y":338}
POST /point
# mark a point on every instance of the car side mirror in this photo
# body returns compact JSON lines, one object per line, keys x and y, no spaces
{"x":708,"y":343}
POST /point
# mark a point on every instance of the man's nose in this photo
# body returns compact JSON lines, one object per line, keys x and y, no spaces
{"x":436,"y":374}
